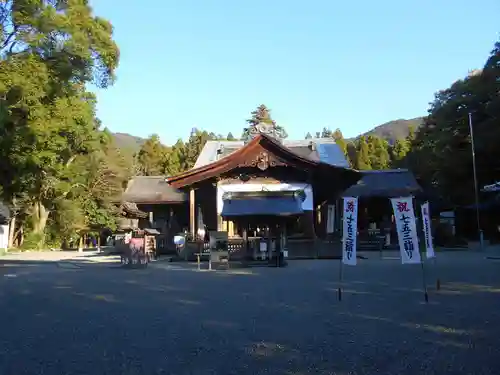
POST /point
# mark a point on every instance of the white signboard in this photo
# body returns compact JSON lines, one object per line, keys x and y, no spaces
{"x":407,"y":230}
{"x":426,"y":222}
{"x":350,"y":229}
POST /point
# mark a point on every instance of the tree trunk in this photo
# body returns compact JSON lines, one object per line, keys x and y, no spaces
{"x":12,"y":230}
{"x":21,"y":236}
{"x":40,"y":216}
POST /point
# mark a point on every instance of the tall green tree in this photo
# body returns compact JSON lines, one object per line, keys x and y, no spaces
{"x":378,"y":150}
{"x":174,"y":159}
{"x":49,"y":52}
{"x":339,"y":140}
{"x":151,"y":157}
{"x":326,"y":133}
{"x":362,"y":160}
{"x":398,"y":152}
{"x":262,"y":115}
{"x":194,"y":145}
{"x":441,"y":151}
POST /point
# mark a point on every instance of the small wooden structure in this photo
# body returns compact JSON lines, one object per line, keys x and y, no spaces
{"x":141,"y":248}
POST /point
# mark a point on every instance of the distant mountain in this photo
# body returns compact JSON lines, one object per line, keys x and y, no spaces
{"x":396,"y":129}
{"x":392,"y":130}
{"x":128,"y":142}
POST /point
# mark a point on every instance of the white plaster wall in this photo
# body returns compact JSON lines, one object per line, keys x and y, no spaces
{"x":4,"y":236}
{"x":307,"y":204}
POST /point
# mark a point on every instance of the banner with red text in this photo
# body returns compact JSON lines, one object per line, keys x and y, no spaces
{"x":404,"y":216}
{"x":350,"y":230}
{"x":426,"y":223}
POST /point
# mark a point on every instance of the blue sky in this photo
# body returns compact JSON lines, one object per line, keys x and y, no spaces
{"x":330,"y":63}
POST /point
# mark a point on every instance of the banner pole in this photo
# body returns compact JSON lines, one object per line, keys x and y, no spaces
{"x":428,"y":231}
{"x":438,"y":280}
{"x":424,"y":280}
{"x":341,"y":278}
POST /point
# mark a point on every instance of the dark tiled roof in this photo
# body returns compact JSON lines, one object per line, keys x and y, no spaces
{"x":306,"y":152}
{"x":152,"y":189}
{"x":385,"y":183}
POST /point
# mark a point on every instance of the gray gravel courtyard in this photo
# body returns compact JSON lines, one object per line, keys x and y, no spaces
{"x":79,"y":318}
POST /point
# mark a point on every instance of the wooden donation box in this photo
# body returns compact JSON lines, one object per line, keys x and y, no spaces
{"x":219,"y":250}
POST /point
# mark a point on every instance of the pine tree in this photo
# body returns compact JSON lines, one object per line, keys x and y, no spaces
{"x":262,"y":115}
{"x":398,"y":152}
{"x":339,"y":140}
{"x":326,"y":133}
{"x":362,"y":161}
{"x":378,"y":152}
{"x":151,"y":157}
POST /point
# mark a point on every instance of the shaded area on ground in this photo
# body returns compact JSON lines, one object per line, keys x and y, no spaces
{"x":173,"y":319}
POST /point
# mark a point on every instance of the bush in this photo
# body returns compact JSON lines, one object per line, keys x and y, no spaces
{"x":33,"y":241}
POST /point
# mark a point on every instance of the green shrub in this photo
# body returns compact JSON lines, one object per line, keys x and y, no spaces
{"x":33,"y":241}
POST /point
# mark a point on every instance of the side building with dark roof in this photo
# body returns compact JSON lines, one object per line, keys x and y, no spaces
{"x":149,"y":202}
{"x":374,"y":191}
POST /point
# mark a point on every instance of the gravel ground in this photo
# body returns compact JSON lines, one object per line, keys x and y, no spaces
{"x":168,"y":319}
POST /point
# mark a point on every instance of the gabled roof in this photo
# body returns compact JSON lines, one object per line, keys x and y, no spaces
{"x":325,"y":150}
{"x":384,"y":183}
{"x":251,"y":150}
{"x":153,"y":190}
{"x":131,"y":210}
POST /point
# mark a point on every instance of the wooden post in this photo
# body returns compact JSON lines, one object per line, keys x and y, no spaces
{"x":245,"y":243}
{"x":192,"y":213}
{"x":151,"y":219}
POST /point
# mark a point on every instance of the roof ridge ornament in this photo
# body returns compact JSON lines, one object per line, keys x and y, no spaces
{"x":268,"y":129}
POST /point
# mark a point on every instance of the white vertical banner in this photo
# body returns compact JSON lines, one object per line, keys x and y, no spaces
{"x":426,"y":222}
{"x":404,"y":216}
{"x":350,"y":230}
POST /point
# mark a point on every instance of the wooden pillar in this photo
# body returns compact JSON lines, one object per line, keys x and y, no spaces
{"x":151,"y":218}
{"x":192,"y":213}
{"x":245,"y":243}
{"x":220,"y":223}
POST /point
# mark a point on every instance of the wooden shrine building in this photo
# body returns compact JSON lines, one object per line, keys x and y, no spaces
{"x":248,"y":187}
